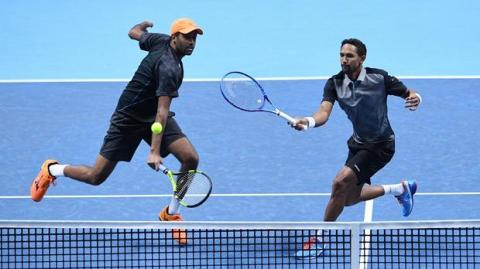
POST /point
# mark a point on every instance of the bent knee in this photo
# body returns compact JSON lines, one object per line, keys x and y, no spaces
{"x":96,"y":178}
{"x":339,"y":187}
{"x":343,"y":183}
{"x":191,"y":160}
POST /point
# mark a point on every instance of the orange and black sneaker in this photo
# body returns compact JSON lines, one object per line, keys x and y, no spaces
{"x":43,"y":180}
{"x":179,"y":235}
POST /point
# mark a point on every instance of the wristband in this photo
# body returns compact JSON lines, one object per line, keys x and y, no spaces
{"x":311,"y":122}
{"x":419,"y":98}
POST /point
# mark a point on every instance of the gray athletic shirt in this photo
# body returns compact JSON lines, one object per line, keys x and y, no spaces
{"x":365,"y":102}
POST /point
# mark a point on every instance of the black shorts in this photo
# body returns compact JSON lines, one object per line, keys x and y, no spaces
{"x":125,"y":134}
{"x":368,"y":158}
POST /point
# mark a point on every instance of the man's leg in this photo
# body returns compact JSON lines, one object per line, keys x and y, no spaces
{"x":370,"y":192}
{"x":95,"y":175}
{"x":345,"y":191}
{"x":186,"y":154}
{"x":51,"y":169}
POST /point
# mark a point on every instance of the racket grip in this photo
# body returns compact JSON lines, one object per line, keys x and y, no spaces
{"x":290,"y":119}
{"x":163,"y":168}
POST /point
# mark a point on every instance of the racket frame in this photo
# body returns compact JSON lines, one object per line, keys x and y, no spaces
{"x":171,"y":177}
{"x":275,"y":110}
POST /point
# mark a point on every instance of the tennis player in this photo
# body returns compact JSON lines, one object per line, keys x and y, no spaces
{"x":146,"y":99}
{"x":362,"y":93}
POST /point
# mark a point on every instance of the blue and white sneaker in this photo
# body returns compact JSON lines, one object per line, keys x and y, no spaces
{"x":406,"y":198}
{"x":311,"y":249}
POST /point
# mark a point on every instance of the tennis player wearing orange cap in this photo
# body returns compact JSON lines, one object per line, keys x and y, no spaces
{"x":145,"y":100}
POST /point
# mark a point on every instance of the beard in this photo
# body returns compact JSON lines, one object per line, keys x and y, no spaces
{"x":347,"y":69}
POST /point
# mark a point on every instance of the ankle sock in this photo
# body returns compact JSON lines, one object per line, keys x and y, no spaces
{"x":394,"y":189}
{"x":56,"y":170}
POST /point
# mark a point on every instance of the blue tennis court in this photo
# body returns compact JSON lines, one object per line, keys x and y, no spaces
{"x":260,"y":166}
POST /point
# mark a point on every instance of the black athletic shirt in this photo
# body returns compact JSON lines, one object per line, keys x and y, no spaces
{"x":159,"y":74}
{"x":365,"y":102}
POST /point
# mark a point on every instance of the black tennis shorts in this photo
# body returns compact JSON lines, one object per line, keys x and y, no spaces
{"x":125,"y":134}
{"x":368,"y":158}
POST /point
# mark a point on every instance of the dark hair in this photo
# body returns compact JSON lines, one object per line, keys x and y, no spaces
{"x":361,"y":48}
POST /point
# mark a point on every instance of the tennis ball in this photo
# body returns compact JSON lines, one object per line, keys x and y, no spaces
{"x":156,"y":128}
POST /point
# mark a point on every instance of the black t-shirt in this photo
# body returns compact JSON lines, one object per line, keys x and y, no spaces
{"x":159,"y":74}
{"x":365,"y":102}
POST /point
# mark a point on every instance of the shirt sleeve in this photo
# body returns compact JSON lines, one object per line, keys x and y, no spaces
{"x":166,"y":87}
{"x":153,"y":41}
{"x":394,"y":86}
{"x":329,"y":92}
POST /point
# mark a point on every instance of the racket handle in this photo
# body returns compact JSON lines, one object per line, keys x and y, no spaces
{"x":163,"y":168}
{"x":289,"y":119}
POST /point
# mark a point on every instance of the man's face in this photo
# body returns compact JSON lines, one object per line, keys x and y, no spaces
{"x":185,"y":43}
{"x":350,"y":61}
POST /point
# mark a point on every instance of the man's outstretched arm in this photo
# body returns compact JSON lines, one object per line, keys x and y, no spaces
{"x":319,"y":118}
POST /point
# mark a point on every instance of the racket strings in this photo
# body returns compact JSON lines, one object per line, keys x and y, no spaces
{"x":243,"y":92}
{"x":183,"y":183}
{"x":193,"y":187}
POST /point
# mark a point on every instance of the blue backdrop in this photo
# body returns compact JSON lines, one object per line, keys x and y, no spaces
{"x":88,"y":39}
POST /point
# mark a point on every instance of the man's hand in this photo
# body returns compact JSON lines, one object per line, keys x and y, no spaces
{"x":139,"y":29}
{"x":154,"y":160}
{"x":413,"y":101}
{"x":301,"y":125}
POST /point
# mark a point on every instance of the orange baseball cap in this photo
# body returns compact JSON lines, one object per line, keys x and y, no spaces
{"x":185,"y":26}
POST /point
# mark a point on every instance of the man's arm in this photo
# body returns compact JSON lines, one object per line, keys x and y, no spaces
{"x":396,"y":87}
{"x":319,"y":118}
{"x":139,"y":29}
{"x":154,"y":159}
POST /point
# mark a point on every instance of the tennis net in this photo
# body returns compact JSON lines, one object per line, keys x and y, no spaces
{"x":109,"y":244}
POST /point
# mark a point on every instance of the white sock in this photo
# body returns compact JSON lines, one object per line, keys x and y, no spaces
{"x":394,"y":189}
{"x":173,"y":207}
{"x":56,"y":170}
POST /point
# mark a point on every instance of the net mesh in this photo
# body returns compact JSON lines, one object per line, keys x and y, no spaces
{"x":412,"y":248}
{"x":237,"y":245}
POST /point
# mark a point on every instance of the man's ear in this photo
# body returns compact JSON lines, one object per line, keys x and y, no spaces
{"x":363,"y":58}
{"x":174,"y":37}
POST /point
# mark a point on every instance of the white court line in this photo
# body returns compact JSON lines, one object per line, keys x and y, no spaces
{"x":219,"y":195}
{"x":93,"y":80}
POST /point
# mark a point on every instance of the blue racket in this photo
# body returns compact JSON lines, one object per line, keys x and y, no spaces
{"x":245,"y":93}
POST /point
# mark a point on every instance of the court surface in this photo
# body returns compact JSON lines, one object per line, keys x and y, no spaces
{"x":262,"y":169}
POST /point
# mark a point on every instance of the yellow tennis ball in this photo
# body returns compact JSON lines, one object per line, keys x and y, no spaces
{"x":156,"y":128}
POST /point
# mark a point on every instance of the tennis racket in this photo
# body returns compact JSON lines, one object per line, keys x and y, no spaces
{"x":245,"y":93}
{"x":191,"y":188}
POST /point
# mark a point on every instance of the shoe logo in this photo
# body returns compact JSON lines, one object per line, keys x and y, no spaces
{"x":36,"y":186}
